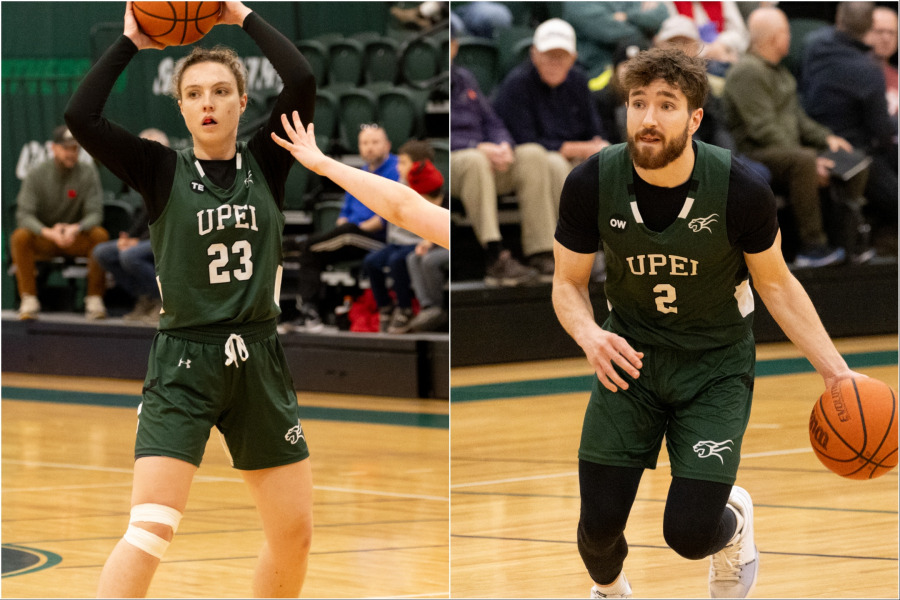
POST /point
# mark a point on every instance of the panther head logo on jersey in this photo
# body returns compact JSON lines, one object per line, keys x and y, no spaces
{"x":295,"y":434}
{"x":701,"y":223}
{"x":709,"y":448}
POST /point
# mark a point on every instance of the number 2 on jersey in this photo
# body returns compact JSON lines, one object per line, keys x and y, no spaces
{"x":217,"y":273}
{"x":666,"y":298}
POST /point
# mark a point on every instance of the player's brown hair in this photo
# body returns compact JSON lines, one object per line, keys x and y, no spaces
{"x":219,"y":54}
{"x":687,"y":73}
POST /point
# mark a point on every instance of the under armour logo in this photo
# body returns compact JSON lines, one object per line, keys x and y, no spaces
{"x":295,"y":434}
{"x":703,"y":223}
{"x":709,"y":448}
{"x":186,"y":363}
{"x":249,"y":179}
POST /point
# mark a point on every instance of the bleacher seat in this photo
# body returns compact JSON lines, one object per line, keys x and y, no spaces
{"x":345,"y":61}
{"x":442,"y":157}
{"x":317,"y":55}
{"x":800,"y":28}
{"x":118,"y":215}
{"x":380,"y":61}
{"x":398,"y":114}
{"x":419,"y":61}
{"x":482,"y":58}
{"x":355,"y":107}
{"x":325,"y":119}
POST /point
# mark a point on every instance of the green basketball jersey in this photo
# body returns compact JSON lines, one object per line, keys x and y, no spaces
{"x":218,"y":251}
{"x":684,"y":287}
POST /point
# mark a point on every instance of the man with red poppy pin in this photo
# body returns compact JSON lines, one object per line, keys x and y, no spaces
{"x":59,"y":213}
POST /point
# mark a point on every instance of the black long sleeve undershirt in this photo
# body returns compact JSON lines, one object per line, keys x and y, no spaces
{"x":149,"y":167}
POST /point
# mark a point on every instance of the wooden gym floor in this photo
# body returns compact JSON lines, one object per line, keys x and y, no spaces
{"x":514,"y":491}
{"x":380,"y":473}
{"x":382,"y":515}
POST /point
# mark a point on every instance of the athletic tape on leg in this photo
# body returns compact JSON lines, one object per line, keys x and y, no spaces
{"x":148,"y":541}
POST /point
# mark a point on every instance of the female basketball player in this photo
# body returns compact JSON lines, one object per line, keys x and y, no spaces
{"x":391,"y":200}
{"x":215,"y":226}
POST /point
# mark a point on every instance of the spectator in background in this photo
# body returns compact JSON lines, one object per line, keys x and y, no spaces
{"x":546,"y":101}
{"x":769,"y":125}
{"x":415,"y":167}
{"x":129,"y":259}
{"x":485,"y":162}
{"x":602,"y":25}
{"x":428,"y":264}
{"x":720,"y":26}
{"x":59,"y":213}
{"x":843,"y":88}
{"x":429,"y":272}
{"x":720,"y":54}
{"x":357,"y":231}
{"x":682,"y":33}
{"x":482,"y":19}
{"x":882,"y":37}
{"x":423,"y":16}
{"x":610,"y":98}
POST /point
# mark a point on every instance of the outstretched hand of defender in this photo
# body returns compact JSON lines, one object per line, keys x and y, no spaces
{"x":303,"y":143}
{"x":134,"y":33}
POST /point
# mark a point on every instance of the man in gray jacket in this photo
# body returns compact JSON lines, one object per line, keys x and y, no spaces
{"x":59,"y":213}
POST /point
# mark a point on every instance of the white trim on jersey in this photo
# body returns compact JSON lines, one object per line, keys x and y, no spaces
{"x":688,"y":203}
{"x":636,"y":212}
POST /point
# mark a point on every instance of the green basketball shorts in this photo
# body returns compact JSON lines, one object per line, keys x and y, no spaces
{"x":699,"y":400}
{"x":251,"y":400}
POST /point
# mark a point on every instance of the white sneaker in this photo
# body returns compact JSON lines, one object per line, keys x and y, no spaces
{"x":621,"y":589}
{"x":29,"y":308}
{"x":94,"y":308}
{"x":733,"y":570}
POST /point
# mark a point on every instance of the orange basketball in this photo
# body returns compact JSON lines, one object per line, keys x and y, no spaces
{"x":176,"y":23}
{"x":853,"y":428}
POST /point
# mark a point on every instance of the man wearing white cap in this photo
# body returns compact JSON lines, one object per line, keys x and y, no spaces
{"x":547,"y":101}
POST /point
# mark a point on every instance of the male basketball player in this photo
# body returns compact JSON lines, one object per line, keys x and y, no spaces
{"x":681,"y":223}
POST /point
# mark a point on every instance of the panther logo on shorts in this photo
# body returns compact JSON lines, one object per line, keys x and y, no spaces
{"x":709,"y":448}
{"x":295,"y":434}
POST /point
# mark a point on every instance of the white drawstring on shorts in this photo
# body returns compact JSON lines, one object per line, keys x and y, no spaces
{"x":235,"y":347}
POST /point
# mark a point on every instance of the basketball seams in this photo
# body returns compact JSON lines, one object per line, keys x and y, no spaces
{"x":871,"y":465}
{"x":184,"y":23}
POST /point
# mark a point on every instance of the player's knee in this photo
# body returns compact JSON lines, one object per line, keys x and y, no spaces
{"x":686,"y":539}
{"x":152,"y":527}
{"x":597,"y":534}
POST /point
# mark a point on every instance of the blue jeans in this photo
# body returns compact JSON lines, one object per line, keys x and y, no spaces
{"x":393,"y":257}
{"x":133,"y":269}
{"x":483,"y":19}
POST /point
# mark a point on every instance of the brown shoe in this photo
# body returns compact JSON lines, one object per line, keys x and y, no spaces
{"x":507,"y":271}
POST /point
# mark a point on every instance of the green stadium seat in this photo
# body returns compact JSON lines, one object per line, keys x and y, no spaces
{"x":482,"y":58}
{"x":317,"y":55}
{"x":399,"y":115}
{"x":355,"y":107}
{"x":345,"y":61}
{"x":419,"y":61}
{"x":380,"y":61}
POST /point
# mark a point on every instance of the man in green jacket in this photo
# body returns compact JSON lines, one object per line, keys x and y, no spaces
{"x":769,"y":125}
{"x":59,"y":213}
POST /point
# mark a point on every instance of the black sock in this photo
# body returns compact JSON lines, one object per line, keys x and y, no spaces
{"x":492,"y":251}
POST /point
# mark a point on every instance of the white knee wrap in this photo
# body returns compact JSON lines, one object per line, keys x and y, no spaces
{"x":148,"y":541}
